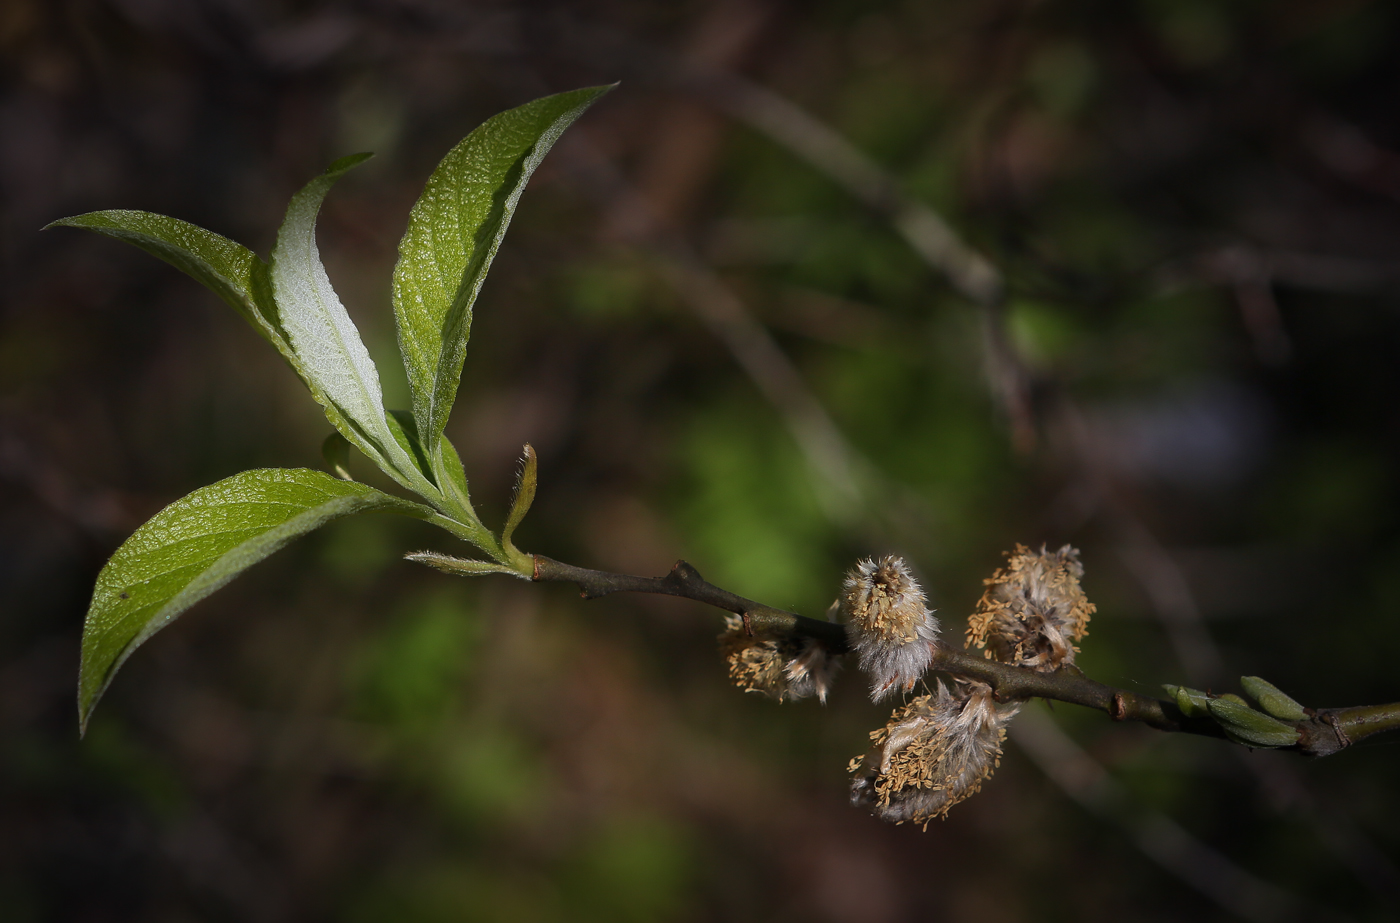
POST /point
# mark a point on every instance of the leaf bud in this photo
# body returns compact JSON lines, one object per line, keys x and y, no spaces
{"x":1244,"y":725}
{"x":1272,"y":699}
{"x":1193,"y":702}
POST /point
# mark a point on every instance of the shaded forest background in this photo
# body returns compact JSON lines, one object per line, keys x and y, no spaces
{"x":721,"y":354}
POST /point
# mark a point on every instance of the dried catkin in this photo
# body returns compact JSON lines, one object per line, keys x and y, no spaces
{"x":934,"y":752}
{"x":780,"y":665}
{"x":1033,"y":610}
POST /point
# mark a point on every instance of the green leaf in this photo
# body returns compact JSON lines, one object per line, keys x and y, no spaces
{"x":325,"y":339}
{"x":230,"y":270}
{"x":454,"y":475}
{"x":453,"y":233}
{"x":196,"y":545}
{"x":224,"y":267}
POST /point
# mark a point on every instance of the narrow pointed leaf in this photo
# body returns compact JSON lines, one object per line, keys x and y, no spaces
{"x":453,"y":233}
{"x":325,"y":339}
{"x":230,"y":270}
{"x":196,"y":545}
{"x":226,"y":268}
{"x":524,"y":496}
{"x":463,"y":567}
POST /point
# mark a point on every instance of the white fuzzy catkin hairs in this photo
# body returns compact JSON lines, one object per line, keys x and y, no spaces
{"x":781,"y":666}
{"x":888,"y":624}
{"x":933,"y":753}
{"x":1033,"y":610}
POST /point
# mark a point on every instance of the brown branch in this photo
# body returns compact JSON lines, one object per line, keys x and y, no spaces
{"x":1009,"y":682}
{"x":686,"y":582}
{"x":1325,"y":732}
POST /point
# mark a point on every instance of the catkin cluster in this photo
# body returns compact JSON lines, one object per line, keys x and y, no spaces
{"x":1033,"y":610}
{"x":937,"y":749}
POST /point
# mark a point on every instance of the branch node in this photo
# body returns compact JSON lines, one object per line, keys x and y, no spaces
{"x":1337,"y":729}
{"x":1118,"y":708}
{"x":684,"y":575}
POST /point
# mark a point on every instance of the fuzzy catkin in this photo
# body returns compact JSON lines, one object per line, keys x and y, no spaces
{"x":888,"y":624}
{"x":1033,"y":610}
{"x":935,"y":752}
{"x":781,"y":666}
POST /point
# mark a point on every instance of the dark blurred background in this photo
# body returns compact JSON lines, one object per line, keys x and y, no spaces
{"x":713,"y":320}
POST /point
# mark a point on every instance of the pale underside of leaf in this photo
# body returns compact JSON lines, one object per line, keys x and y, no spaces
{"x":325,"y":339}
{"x":196,"y":545}
{"x":453,"y":233}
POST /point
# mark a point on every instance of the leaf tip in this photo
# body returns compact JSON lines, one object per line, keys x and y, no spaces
{"x":341,"y":164}
{"x":87,"y":704}
{"x":72,"y":221}
{"x":591,"y":95}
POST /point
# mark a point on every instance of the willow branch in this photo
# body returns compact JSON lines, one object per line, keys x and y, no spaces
{"x":1323,"y":732}
{"x":1361,"y":721}
{"x":686,"y":582}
